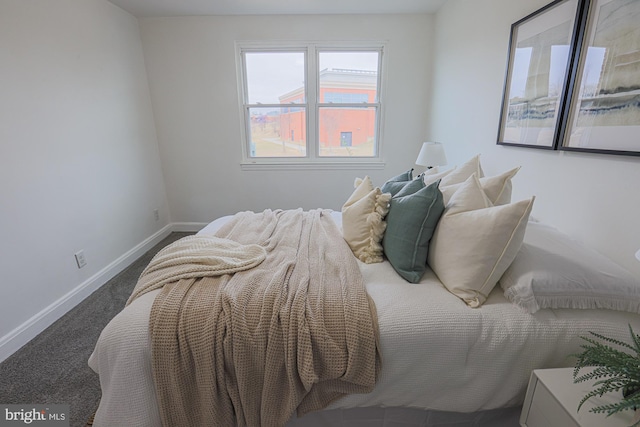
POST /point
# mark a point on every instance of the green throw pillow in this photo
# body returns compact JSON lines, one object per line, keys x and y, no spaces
{"x":395,"y":184}
{"x":413,"y":215}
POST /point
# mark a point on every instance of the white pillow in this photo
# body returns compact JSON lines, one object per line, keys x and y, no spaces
{"x":475,"y":242}
{"x":462,"y":173}
{"x":552,"y":270}
{"x":431,"y":171}
{"x":497,"y":188}
{"x":431,"y":178}
{"x":363,"y":221}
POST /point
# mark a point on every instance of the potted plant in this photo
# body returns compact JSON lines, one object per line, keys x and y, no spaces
{"x":615,"y":369}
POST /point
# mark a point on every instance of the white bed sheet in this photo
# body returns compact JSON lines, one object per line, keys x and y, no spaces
{"x":438,"y":354}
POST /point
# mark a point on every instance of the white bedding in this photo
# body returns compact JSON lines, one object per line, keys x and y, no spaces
{"x":438,"y":353}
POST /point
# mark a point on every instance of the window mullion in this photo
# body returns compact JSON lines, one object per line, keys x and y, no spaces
{"x":272,"y":105}
{"x":312,"y":102}
{"x":345,"y":105}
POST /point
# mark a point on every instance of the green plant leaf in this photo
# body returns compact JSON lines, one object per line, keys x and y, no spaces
{"x":613,"y":369}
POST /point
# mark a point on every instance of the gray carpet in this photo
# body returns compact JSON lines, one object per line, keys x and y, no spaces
{"x":52,"y":368}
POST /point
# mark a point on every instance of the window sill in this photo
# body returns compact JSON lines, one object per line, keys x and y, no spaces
{"x":245,"y":166}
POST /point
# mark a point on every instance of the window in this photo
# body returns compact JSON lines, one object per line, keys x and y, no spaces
{"x":310,"y":103}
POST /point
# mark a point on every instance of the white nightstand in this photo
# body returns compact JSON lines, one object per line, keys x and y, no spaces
{"x":552,"y":401}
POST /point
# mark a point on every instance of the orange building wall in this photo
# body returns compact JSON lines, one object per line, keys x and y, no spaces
{"x":333,"y":121}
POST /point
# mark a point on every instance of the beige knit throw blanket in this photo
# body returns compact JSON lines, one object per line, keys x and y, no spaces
{"x":197,"y":256}
{"x":293,"y":333}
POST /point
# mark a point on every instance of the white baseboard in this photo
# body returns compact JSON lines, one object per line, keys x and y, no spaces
{"x":24,"y":333}
{"x":185,"y":227}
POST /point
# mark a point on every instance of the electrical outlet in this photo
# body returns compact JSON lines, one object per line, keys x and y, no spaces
{"x":156,"y":214}
{"x":80,"y":259}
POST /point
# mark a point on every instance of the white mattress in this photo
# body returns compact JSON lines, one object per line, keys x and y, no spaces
{"x":438,"y":354}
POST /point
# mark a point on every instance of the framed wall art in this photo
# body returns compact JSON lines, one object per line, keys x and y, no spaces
{"x":537,"y":82}
{"x":604,"y":113}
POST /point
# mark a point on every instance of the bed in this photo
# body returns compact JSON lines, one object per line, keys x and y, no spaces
{"x":443,"y":362}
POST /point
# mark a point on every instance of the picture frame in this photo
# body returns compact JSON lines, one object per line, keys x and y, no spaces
{"x":604,"y":110}
{"x":538,"y":77}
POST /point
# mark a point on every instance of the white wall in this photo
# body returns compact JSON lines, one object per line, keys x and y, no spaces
{"x":192,"y":75}
{"x":592,"y":197}
{"x":79,"y":162}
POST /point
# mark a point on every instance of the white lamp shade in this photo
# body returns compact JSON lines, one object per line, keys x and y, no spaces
{"x":431,"y":154}
{"x":638,"y":255}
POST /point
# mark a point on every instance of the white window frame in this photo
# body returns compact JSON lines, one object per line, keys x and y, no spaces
{"x":312,"y":160}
